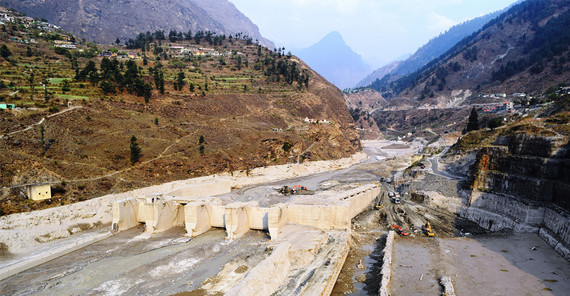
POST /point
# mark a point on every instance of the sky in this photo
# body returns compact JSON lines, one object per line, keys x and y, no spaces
{"x":380,"y":31}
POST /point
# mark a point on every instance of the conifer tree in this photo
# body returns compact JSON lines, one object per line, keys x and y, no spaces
{"x":473,"y":123}
{"x":135,"y":150}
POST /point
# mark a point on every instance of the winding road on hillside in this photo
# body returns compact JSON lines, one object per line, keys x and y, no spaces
{"x":41,"y":121}
{"x":435,"y":167}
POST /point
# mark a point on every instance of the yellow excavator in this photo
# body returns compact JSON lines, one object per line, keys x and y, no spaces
{"x":427,"y":230}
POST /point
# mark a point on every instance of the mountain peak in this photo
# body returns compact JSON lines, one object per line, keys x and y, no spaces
{"x":333,"y":37}
{"x":335,"y":60}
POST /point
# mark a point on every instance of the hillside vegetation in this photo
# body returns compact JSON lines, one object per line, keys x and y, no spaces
{"x":196,"y":104}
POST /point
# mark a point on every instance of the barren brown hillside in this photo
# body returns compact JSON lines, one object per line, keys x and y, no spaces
{"x":247,"y":119}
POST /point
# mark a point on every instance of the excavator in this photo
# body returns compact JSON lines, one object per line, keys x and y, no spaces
{"x":399,"y":230}
{"x":427,"y":230}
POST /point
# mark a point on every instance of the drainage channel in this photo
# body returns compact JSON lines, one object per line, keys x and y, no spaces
{"x":361,"y":273}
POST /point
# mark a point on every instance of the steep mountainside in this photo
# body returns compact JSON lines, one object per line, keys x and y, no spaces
{"x":523,"y":50}
{"x":442,"y":43}
{"x":108,"y":121}
{"x":335,"y":60}
{"x":432,"y":50}
{"x":105,"y":21}
{"x":378,"y":74}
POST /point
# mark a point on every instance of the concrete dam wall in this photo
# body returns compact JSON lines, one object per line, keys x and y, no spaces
{"x":189,"y":208}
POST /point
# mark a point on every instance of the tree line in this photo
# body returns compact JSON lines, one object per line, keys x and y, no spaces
{"x":114,"y":76}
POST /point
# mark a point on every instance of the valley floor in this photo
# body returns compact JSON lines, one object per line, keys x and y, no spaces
{"x":498,"y":264}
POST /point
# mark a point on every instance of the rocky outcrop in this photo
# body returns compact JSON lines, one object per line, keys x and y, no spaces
{"x":522,"y":183}
{"x":104,"y":21}
{"x":530,"y":167}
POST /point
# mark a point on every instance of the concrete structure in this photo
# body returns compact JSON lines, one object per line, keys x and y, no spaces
{"x":38,"y":192}
{"x":184,"y":207}
{"x":386,"y":270}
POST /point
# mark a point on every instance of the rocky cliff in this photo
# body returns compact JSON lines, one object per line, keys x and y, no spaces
{"x":535,"y":168}
{"x":104,"y":21}
{"x":520,"y":179}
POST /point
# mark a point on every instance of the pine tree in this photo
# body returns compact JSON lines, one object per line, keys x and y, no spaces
{"x":5,"y":52}
{"x":473,"y":123}
{"x":135,"y":150}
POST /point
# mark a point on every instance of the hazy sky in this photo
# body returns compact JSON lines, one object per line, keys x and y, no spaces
{"x":379,"y":30}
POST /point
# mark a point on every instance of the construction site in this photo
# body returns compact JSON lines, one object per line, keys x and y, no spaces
{"x":370,"y":225}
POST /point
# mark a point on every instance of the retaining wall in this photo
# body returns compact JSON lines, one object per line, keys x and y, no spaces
{"x":497,"y":212}
{"x":387,"y":264}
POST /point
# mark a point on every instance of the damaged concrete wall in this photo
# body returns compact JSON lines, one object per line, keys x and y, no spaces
{"x":25,"y":232}
{"x":327,"y":210}
{"x":125,"y":213}
{"x":267,"y":276}
{"x":519,"y":210}
{"x":556,"y":231}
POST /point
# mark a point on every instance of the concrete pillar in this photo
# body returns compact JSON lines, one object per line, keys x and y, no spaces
{"x":258,"y":218}
{"x":236,"y":220}
{"x":276,"y":219}
{"x":196,"y":218}
{"x":217,"y":216}
{"x":166,"y":215}
{"x":124,"y":215}
{"x":159,"y":215}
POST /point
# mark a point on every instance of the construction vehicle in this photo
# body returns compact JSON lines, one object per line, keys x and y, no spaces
{"x":297,"y":189}
{"x":399,"y":230}
{"x":394,"y":197}
{"x":285,"y":190}
{"x":378,"y":205}
{"x":427,"y":230}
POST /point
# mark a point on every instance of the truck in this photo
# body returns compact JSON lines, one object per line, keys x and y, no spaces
{"x":394,"y":197}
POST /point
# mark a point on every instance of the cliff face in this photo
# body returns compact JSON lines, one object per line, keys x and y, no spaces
{"x":535,"y":168}
{"x":520,"y":178}
{"x":103,"y":21}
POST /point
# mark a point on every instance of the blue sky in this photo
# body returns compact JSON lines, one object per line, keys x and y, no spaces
{"x":379,"y":30}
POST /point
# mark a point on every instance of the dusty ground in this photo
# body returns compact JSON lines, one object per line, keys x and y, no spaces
{"x":506,"y":265}
{"x":496,"y":264}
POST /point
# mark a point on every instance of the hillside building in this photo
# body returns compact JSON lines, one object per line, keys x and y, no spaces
{"x":38,"y":192}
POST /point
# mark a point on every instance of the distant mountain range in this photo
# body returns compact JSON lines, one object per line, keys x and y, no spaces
{"x":431,"y":50}
{"x":525,"y":49}
{"x":335,"y":61}
{"x":379,"y":74}
{"x":105,"y":21}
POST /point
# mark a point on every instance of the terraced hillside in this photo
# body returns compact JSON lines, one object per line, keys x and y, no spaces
{"x":196,"y":106}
